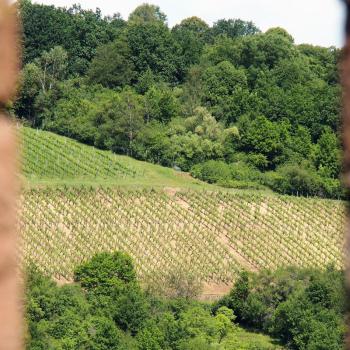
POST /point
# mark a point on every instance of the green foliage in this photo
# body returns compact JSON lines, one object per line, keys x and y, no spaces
{"x":104,"y":309}
{"x":297,"y":306}
{"x":100,"y":117}
{"x":183,"y":142}
{"x":111,"y":286}
{"x":234,"y":28}
{"x":327,"y":154}
{"x":191,"y":35}
{"x":263,"y":137}
{"x":152,"y":47}
{"x":302,"y":179}
{"x":78,"y":31}
{"x":146,"y":13}
{"x":112,"y":66}
{"x":105,"y":271}
{"x":40,"y":85}
{"x":61,"y":318}
{"x":212,"y":171}
{"x":184,"y":95}
{"x":235,"y":175}
{"x":161,"y":104}
{"x":221,"y":83}
{"x":295,"y":179}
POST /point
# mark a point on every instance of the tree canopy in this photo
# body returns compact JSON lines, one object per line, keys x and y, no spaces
{"x":137,"y":87}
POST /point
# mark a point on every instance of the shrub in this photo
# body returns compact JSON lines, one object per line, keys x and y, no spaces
{"x":212,"y":171}
{"x":105,"y":271}
{"x":295,"y":179}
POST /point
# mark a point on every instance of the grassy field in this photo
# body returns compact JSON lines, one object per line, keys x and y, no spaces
{"x":78,"y":201}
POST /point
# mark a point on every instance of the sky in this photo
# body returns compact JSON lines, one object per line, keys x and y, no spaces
{"x":318,"y":22}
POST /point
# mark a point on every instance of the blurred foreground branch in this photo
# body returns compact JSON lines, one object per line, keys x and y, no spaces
{"x":11,"y":330}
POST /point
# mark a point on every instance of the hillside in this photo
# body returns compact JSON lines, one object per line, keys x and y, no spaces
{"x":210,"y":235}
{"x":49,"y":159}
{"x":166,"y":228}
{"x":180,"y":184}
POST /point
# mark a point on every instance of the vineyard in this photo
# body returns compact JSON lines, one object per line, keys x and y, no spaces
{"x":210,"y":235}
{"x":49,"y":160}
{"x":168,"y":223}
{"x":46,"y":155}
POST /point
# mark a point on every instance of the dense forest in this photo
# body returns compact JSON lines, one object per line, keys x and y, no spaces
{"x":106,"y":309}
{"x":232,"y":105}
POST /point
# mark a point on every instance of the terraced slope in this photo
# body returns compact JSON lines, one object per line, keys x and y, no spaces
{"x":212,"y":235}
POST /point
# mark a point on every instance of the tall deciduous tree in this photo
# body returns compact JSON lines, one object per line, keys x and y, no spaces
{"x":191,"y":35}
{"x":234,"y":28}
{"x":146,"y":13}
{"x":152,"y":47}
{"x":112,"y":66}
{"x":77,"y":30}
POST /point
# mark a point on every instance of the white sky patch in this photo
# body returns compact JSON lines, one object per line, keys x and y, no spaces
{"x":318,"y":22}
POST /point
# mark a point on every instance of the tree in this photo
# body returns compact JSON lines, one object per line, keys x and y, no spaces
{"x":161,"y":104}
{"x":204,"y":124}
{"x":152,"y":47}
{"x":193,"y":89}
{"x":263,"y":50}
{"x":152,"y":142}
{"x":280,"y":31}
{"x":112,"y":66}
{"x":221,"y":82}
{"x":191,"y":35}
{"x":105,"y":271}
{"x":101,"y":333}
{"x":52,"y":68}
{"x":146,"y":13}
{"x":234,"y":28}
{"x":28,"y":92}
{"x":122,"y":120}
{"x":264,"y":137}
{"x":327,"y":154}
{"x":288,"y":73}
{"x":40,"y":85}
{"x":110,"y":281}
{"x":322,"y":61}
{"x":300,"y":179}
{"x":78,"y":31}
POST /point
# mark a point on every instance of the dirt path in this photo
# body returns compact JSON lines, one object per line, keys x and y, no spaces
{"x":214,"y":291}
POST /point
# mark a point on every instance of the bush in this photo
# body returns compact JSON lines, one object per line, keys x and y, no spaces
{"x":236,"y":175}
{"x":295,"y":179}
{"x":105,"y":271}
{"x":241,"y":171}
{"x":212,"y":171}
{"x":303,"y":180}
